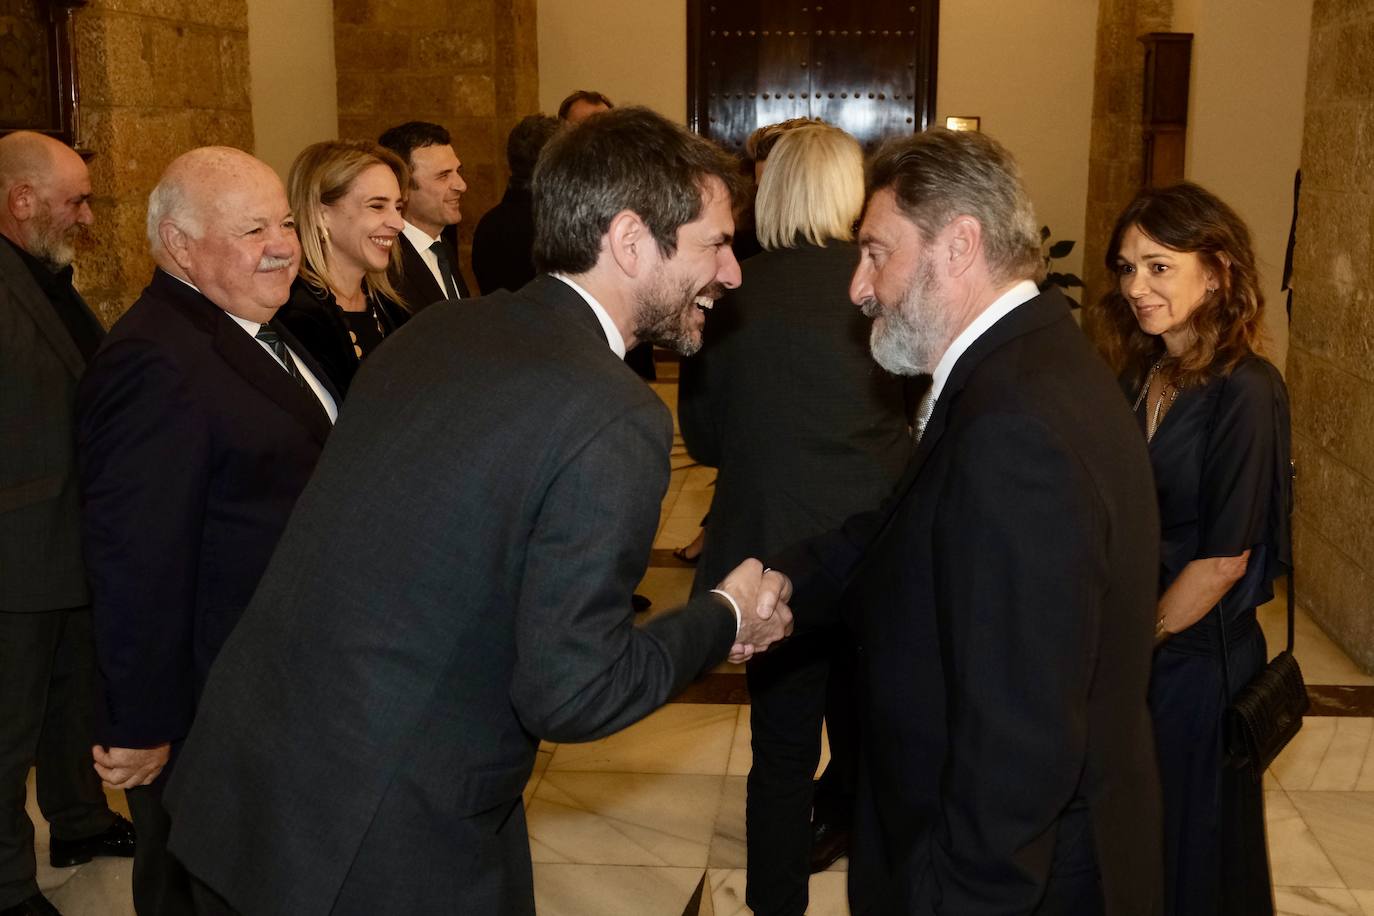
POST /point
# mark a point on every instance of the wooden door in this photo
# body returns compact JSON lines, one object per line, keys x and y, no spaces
{"x":868,"y":67}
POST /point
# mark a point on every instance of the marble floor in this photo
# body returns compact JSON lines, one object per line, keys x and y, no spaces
{"x":650,"y":821}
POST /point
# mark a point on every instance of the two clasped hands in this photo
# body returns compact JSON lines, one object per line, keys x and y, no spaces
{"x":761,"y":595}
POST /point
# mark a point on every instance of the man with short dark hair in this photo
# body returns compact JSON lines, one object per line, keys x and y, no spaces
{"x":503,"y":244}
{"x":199,"y":422}
{"x":47,"y":658}
{"x":364,"y":741}
{"x":429,"y":269}
{"x":1005,"y":593}
{"x":582,"y":104}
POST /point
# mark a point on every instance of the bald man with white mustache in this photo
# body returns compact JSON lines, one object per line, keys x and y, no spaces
{"x":198,"y":424}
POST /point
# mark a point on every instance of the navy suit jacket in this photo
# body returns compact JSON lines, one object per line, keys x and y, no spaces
{"x":193,"y":445}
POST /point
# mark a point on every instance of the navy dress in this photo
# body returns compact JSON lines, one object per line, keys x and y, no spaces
{"x":1221,"y":464}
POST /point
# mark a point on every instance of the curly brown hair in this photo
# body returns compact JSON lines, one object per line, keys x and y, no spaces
{"x":1227,"y":325}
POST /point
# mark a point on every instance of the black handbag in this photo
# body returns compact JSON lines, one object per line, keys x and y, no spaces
{"x":1268,"y":711}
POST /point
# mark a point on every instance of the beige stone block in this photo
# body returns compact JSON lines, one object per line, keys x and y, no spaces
{"x":361,"y":94}
{"x":454,"y":50}
{"x":1334,"y":409}
{"x":1335,"y":501}
{"x":350,"y":12}
{"x":113,"y":264}
{"x":1335,"y":12}
{"x":1330,"y":148}
{"x":1337,"y":593}
{"x":1354,"y":60}
{"x":366,"y":126}
{"x":1319,"y":319}
{"x":369,"y":49}
{"x":235,"y":78}
{"x":423,"y":14}
{"x":475,"y":14}
{"x":224,"y":14}
{"x":477,"y":142}
{"x":141,"y":61}
{"x":1334,"y":236}
{"x":474,"y":96}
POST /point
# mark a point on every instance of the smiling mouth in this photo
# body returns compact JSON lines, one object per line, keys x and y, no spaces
{"x":384,"y":242}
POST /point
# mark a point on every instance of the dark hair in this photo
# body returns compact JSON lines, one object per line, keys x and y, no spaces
{"x":524,"y":144}
{"x":941,"y":174}
{"x":582,"y":95}
{"x":1227,"y":324}
{"x":404,"y":139}
{"x":628,"y":159}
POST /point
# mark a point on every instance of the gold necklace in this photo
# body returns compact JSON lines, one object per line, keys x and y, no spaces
{"x":1168,"y":392}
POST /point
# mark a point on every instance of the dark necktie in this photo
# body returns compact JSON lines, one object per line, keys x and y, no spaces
{"x":273,"y":340}
{"x":441,"y":253}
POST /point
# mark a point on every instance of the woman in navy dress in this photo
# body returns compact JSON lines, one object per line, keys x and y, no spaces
{"x":1186,"y":325}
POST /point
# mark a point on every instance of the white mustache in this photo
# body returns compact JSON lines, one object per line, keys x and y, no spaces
{"x":871,"y":308}
{"x":268,"y":264}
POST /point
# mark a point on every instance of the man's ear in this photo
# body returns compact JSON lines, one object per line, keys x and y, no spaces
{"x":961,"y":239}
{"x":176,"y":243}
{"x":630,"y":243}
{"x":22,"y":201}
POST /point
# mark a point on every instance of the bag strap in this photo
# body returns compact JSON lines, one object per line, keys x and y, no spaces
{"x":1292,"y":561}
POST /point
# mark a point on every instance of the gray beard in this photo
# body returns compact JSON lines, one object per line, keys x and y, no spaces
{"x":910,"y":339}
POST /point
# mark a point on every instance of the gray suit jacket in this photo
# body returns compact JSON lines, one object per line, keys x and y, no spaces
{"x":421,"y":627}
{"x":40,"y":523}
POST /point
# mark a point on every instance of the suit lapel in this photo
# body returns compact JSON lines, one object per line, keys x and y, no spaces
{"x":34,"y":302}
{"x":418,"y":278}
{"x":246,"y":356}
{"x":1029,"y":316}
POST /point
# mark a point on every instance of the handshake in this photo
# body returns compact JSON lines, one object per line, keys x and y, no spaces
{"x":761,"y":594}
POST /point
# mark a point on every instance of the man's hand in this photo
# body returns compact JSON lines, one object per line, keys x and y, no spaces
{"x":762,"y":596}
{"x":129,"y":767}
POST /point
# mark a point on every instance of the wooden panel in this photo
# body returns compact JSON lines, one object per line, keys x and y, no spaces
{"x":866,"y":67}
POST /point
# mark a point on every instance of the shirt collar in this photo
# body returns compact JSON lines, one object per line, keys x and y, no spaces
{"x":419,"y":237}
{"x":612,"y":332}
{"x":1022,"y":292}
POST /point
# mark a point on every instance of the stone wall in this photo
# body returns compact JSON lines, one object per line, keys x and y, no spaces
{"x":471,"y":65}
{"x":157,"y":77}
{"x":1114,"y":150}
{"x":1331,"y":354}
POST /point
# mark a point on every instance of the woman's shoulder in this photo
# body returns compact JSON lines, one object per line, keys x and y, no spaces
{"x":307,"y":297}
{"x":1254,"y":377}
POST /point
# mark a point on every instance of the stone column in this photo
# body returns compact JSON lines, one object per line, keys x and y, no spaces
{"x":1114,"y":150}
{"x":470,"y":65}
{"x":157,"y":78}
{"x":1331,"y":355}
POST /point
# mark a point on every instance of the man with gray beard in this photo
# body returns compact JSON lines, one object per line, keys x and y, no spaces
{"x":47,"y":663}
{"x":198,"y":425}
{"x":1005,"y":592}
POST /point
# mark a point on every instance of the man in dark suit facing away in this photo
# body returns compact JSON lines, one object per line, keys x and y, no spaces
{"x":428,"y":271}
{"x":194,"y":441}
{"x":367,"y":731}
{"x":1006,"y":589}
{"x":47,"y":658}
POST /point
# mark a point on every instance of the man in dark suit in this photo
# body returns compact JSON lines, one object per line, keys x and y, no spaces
{"x":1007,"y":586}
{"x":47,"y":658}
{"x":428,"y":270}
{"x":503,"y":243}
{"x":366,"y":734}
{"x":194,"y":441}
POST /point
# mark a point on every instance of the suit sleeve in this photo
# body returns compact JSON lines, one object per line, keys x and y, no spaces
{"x":583,"y":669}
{"x":1019,"y":573}
{"x":144,"y":454}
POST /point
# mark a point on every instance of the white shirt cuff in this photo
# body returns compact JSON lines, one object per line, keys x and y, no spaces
{"x":734,"y":606}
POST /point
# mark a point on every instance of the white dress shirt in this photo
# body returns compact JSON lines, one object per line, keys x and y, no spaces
{"x":612,"y":332}
{"x":1001,"y":307}
{"x":422,"y":242}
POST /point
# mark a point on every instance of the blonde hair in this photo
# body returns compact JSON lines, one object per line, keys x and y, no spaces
{"x":321,"y":175}
{"x":812,"y":190}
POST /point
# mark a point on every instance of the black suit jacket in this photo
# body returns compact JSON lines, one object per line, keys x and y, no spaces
{"x":503,"y":243}
{"x":785,"y":400}
{"x":40,"y":519}
{"x":194,"y":444}
{"x":526,"y":465}
{"x":314,"y":317}
{"x":1007,"y":595}
{"x":415,"y":283}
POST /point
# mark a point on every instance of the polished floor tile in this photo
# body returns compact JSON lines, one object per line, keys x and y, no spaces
{"x":624,"y":818}
{"x":1296,"y":858}
{"x":741,"y":753}
{"x":1347,"y":757}
{"x":678,"y":738}
{"x":1321,"y":660}
{"x":827,"y":892}
{"x":727,"y":840}
{"x":1296,"y":766}
{"x":1343,"y":823}
{"x":613,"y":890}
{"x":541,"y":763}
{"x":1315,"y":901}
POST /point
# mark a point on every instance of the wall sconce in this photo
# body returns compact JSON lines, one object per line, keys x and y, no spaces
{"x":967,"y":123}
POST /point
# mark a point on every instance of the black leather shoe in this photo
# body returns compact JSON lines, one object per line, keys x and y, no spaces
{"x":118,"y":840}
{"x":829,"y":844}
{"x":37,"y":905}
